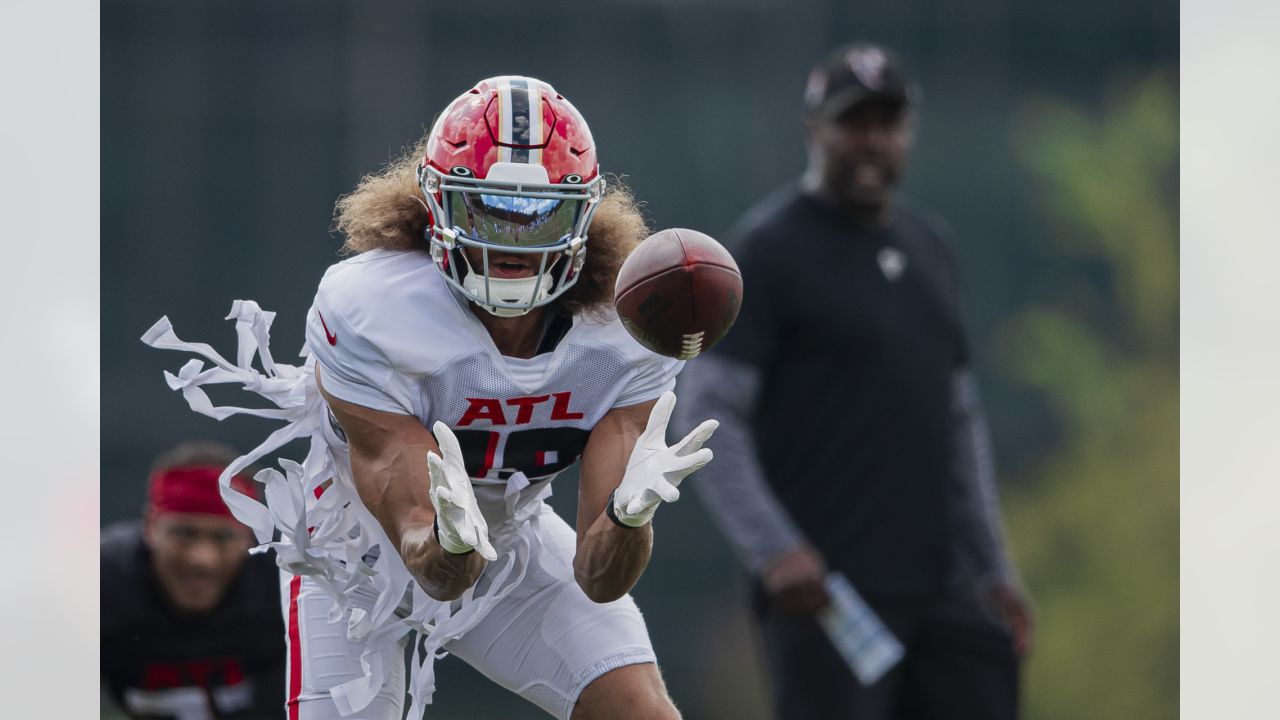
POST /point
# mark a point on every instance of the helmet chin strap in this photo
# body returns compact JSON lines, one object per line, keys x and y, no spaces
{"x":505,"y":289}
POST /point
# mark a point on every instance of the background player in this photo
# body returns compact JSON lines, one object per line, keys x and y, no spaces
{"x":190,"y":626}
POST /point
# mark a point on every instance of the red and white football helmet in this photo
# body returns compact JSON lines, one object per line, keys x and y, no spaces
{"x":510,"y":167}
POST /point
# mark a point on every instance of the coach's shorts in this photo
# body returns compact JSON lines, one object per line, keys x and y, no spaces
{"x":545,"y":640}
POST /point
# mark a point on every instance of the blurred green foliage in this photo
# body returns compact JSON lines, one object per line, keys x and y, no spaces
{"x":1095,"y":526}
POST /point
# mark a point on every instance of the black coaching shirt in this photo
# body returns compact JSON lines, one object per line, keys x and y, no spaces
{"x":857,"y":336}
{"x":157,"y":664}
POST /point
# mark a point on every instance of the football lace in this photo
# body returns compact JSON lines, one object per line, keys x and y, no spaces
{"x":691,"y":345}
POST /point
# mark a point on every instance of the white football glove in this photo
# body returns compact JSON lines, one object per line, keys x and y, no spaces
{"x":460,"y":526}
{"x":655,"y":471}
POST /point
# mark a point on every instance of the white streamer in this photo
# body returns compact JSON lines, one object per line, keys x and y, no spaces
{"x":325,"y":533}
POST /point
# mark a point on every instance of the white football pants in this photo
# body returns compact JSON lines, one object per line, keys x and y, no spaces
{"x":545,"y":641}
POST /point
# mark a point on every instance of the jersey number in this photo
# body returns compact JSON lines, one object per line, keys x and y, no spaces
{"x":538,"y":453}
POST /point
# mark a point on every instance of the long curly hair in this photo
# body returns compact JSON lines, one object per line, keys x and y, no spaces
{"x":386,"y":210}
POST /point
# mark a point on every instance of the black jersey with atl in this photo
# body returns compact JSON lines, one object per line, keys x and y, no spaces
{"x":857,"y":336}
{"x":158,"y":664}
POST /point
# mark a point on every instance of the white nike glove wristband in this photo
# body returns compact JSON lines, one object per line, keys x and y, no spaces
{"x":447,"y":544}
{"x":612,"y":513}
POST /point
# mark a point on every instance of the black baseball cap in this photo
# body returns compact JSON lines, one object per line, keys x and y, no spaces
{"x":853,"y":73}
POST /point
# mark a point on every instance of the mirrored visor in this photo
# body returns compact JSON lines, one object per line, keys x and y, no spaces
{"x":512,"y":221}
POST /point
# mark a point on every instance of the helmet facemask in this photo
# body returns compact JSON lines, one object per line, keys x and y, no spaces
{"x":515,"y":210}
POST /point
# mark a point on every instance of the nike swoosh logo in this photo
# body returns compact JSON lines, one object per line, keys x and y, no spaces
{"x":331,"y":337}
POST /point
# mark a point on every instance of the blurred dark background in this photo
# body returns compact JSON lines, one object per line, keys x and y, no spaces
{"x":1048,"y":138}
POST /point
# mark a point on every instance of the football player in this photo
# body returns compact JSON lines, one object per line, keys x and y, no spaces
{"x":189,"y":621}
{"x":466,"y":355}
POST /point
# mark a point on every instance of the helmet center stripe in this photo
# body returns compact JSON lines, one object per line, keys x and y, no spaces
{"x":520,"y":121}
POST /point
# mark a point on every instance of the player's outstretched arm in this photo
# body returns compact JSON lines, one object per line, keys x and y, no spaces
{"x":627,"y":471}
{"x":389,"y":464}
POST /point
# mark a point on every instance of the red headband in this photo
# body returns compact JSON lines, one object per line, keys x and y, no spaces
{"x":191,"y":489}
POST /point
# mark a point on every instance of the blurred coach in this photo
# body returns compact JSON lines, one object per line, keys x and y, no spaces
{"x":191,"y":625}
{"x":851,"y":435}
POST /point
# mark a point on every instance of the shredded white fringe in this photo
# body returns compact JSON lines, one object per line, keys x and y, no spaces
{"x":328,"y":535}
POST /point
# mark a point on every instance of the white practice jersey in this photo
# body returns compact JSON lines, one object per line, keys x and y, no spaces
{"x":390,"y":334}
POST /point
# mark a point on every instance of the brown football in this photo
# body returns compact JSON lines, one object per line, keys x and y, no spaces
{"x":678,"y":292}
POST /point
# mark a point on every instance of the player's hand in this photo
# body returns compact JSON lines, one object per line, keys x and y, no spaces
{"x":796,"y":582}
{"x":655,"y":471}
{"x":459,"y":523}
{"x":1014,"y":608}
